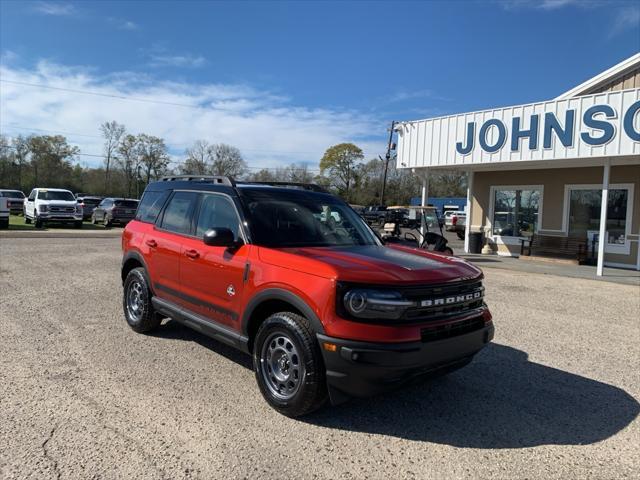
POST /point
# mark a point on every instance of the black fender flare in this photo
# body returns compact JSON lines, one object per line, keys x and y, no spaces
{"x":135,"y":255}
{"x":285,"y":296}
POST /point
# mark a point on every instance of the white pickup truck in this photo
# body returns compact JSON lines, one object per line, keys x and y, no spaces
{"x":4,"y":213}
{"x":456,"y":221}
{"x":44,"y":205}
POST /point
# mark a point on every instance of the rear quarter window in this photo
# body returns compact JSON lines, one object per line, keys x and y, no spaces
{"x":150,"y":206}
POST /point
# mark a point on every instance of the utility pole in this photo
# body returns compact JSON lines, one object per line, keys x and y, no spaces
{"x":386,"y":162}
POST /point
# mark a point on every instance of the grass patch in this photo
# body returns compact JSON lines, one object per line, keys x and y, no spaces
{"x":16,"y":222}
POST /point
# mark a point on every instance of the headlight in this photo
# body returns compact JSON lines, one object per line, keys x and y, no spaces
{"x":370,"y":303}
{"x":43,"y":208}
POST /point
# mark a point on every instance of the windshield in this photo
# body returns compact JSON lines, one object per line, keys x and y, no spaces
{"x":126,"y":203}
{"x":90,"y":201}
{"x":56,"y":195}
{"x":12,"y":194}
{"x":303,"y":219}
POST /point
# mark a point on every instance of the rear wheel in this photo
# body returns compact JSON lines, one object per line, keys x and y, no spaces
{"x":105,"y":221}
{"x":4,"y":223}
{"x":288,"y":365}
{"x":460,"y":235}
{"x":93,"y":219}
{"x":138,"y":309}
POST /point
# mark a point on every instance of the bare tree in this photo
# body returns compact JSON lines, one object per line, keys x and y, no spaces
{"x":128,"y":159}
{"x":153,"y":156}
{"x":112,"y":133}
{"x":227,"y":160}
{"x":198,"y":159}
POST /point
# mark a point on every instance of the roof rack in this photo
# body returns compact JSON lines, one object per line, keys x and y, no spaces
{"x":303,"y":186}
{"x":220,"y":179}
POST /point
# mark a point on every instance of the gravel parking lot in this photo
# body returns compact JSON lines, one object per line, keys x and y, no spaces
{"x":83,"y":396}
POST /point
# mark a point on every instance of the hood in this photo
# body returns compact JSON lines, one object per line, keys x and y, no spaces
{"x":373,"y":264}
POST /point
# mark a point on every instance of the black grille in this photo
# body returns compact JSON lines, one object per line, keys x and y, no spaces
{"x":449,"y":330}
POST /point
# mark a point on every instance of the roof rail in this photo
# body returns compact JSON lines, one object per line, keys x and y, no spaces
{"x":220,"y":179}
{"x":303,"y":186}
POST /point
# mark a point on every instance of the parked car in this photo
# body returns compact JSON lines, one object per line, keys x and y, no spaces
{"x":15,"y":200}
{"x":448,"y":224}
{"x":89,"y":203}
{"x":4,"y":212}
{"x":375,"y":214}
{"x":459,"y":224}
{"x":294,"y":277}
{"x":45,"y":205}
{"x":114,"y":211}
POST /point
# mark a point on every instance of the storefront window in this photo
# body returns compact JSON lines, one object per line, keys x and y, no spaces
{"x":516,"y":212}
{"x":584,"y":214}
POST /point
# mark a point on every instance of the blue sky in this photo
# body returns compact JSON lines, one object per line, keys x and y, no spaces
{"x":285,"y":80}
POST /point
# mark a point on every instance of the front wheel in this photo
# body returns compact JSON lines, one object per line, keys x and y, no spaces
{"x":288,"y":365}
{"x":138,"y":309}
{"x":38,"y":222}
{"x":77,"y":224}
{"x":106,"y":222}
{"x":460,"y":235}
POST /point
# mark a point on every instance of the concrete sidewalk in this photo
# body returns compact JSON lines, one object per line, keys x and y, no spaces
{"x":616,"y":275}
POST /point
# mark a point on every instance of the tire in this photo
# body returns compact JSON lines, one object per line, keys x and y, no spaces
{"x":38,"y":222}
{"x":27,"y":220}
{"x":77,"y":224}
{"x":93,"y":219}
{"x":4,"y":224}
{"x":460,"y":235}
{"x":106,"y":222}
{"x":136,"y":302}
{"x":448,"y":251}
{"x":286,"y":354}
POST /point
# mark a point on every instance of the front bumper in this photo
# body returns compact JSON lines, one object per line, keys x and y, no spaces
{"x":362,"y":369}
{"x":60,"y":217}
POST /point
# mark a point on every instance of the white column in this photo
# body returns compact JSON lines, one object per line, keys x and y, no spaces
{"x":467,"y":227}
{"x":425,"y":196}
{"x":602,"y":240}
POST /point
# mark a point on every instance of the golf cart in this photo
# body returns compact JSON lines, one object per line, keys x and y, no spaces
{"x":425,"y":230}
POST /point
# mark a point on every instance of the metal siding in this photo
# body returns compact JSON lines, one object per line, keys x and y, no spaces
{"x":437,"y":137}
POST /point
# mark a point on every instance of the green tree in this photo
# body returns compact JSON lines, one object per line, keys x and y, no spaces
{"x":339,"y":162}
{"x":51,"y":157}
{"x":154,"y":157}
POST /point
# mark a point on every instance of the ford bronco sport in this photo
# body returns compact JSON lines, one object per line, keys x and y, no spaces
{"x":293,"y":276}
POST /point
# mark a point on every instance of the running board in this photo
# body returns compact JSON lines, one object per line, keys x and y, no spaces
{"x":201,"y":324}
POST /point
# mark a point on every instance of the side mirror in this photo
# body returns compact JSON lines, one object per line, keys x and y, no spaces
{"x":219,"y":237}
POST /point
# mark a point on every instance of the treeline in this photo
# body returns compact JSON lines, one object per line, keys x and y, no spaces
{"x":130,"y":161}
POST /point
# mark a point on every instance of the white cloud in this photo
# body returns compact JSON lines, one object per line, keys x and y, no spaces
{"x":186,"y":60}
{"x":123,"y":24}
{"x":267,"y":128}
{"x":59,"y":9}
{"x":552,"y":4}
{"x":625,"y":19}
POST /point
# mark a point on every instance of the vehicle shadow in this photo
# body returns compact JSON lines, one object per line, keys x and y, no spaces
{"x":173,"y":330}
{"x":500,"y":400}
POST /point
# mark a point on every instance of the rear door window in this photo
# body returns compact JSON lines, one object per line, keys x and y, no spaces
{"x":178,"y":212}
{"x":150,"y":205}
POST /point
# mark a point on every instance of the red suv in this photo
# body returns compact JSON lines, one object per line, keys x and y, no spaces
{"x":293,"y":276}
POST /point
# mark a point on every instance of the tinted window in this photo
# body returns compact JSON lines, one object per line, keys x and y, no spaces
{"x":105,"y":203}
{"x":90,"y":201}
{"x":150,"y":206}
{"x":216,"y":211}
{"x":56,"y":195}
{"x":298,"y":219}
{"x":12,"y":194}
{"x":177,"y":214}
{"x":126,"y":203}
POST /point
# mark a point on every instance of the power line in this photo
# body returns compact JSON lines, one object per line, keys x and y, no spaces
{"x":182,"y":162}
{"x":110,"y":95}
{"x":18,"y":127}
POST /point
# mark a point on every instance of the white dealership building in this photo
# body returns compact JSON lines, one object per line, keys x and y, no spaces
{"x":557,"y":174}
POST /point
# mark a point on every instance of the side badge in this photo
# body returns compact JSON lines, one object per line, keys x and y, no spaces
{"x":231,"y":291}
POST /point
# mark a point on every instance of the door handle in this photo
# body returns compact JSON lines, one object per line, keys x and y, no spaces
{"x":192,"y":254}
{"x":152,"y":243}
